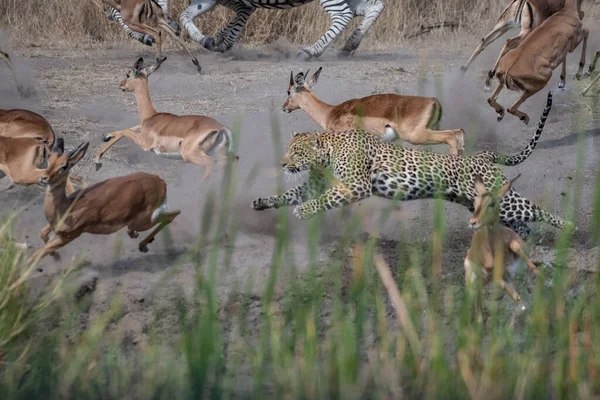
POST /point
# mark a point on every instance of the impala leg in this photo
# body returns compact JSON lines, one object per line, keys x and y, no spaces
{"x":163,"y":220}
{"x":449,"y":137}
{"x":592,"y":66}
{"x":563,"y":75}
{"x":517,"y":248}
{"x":49,"y":248}
{"x":514,"y":109}
{"x":45,"y":233}
{"x":500,"y":29}
{"x":202,"y":159}
{"x":508,"y":288}
{"x":583,"y":93}
{"x":509,"y":45}
{"x":584,"y":37}
{"x":112,"y":138}
{"x":167,"y":28}
{"x":492,"y":101}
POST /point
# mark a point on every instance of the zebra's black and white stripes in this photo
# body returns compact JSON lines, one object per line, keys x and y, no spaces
{"x":341,"y":12}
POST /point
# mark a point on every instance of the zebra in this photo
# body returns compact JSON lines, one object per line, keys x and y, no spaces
{"x":341,"y":12}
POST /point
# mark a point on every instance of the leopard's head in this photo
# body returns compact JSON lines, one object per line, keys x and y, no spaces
{"x":303,"y":152}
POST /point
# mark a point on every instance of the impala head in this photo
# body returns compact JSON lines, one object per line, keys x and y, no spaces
{"x":303,"y":152}
{"x":60,"y":163}
{"x":487,"y":203}
{"x":139,"y":74}
{"x":299,"y":86}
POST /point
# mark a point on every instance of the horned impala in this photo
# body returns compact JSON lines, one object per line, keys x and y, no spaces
{"x":25,"y":137}
{"x":589,"y":72}
{"x":137,"y":201}
{"x":414,"y":119}
{"x":528,"y":68}
{"x":524,"y":14}
{"x":492,"y":243}
{"x":139,"y":14}
{"x":191,"y":138}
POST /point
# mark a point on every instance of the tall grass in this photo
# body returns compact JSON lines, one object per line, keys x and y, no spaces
{"x":375,"y":320}
{"x":69,"y":23}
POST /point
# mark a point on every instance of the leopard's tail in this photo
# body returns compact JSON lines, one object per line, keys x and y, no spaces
{"x":522,"y":156}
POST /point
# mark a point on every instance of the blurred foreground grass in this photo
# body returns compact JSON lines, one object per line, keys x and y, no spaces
{"x":375,"y":320}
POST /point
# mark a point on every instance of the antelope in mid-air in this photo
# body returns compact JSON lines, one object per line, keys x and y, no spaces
{"x":192,"y":138}
{"x":137,"y":201}
{"x":139,"y":14}
{"x":414,"y":119}
{"x":25,"y":138}
{"x":524,"y":14}
{"x":492,"y":243}
{"x":528,"y":68}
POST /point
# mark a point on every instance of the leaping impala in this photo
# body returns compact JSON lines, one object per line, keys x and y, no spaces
{"x":589,"y":72}
{"x":137,"y":201}
{"x":525,"y":14}
{"x":187,"y":137}
{"x":25,"y":137}
{"x":414,"y":119}
{"x":138,"y":14}
{"x":528,"y":68}
{"x":492,"y":242}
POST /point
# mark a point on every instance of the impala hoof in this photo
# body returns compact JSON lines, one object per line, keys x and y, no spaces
{"x":500,"y":116}
{"x":98,"y":166}
{"x":525,"y":119}
{"x":463,"y":69}
{"x":106,"y":138}
{"x":143,"y":248}
{"x":197,"y":64}
{"x":303,"y":55}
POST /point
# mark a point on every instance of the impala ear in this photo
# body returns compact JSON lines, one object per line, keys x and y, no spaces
{"x":291,"y":78}
{"x":76,"y":155}
{"x":147,"y":71}
{"x":59,"y":146}
{"x":313,"y":79}
{"x":479,"y":186}
{"x":139,"y":64}
{"x":506,"y":187}
{"x":294,"y":134}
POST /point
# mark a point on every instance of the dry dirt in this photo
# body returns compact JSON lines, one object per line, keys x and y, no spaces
{"x":78,"y":92}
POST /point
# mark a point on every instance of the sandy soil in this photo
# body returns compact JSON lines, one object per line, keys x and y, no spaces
{"x":79,"y":94}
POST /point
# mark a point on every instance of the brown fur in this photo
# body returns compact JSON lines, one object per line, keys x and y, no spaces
{"x":147,"y":17}
{"x":492,"y":244}
{"x":526,"y":14}
{"x":528,"y":68}
{"x":189,"y":137}
{"x":416,"y":119}
{"x":24,"y":123}
{"x":24,"y":140}
{"x":131,"y":201}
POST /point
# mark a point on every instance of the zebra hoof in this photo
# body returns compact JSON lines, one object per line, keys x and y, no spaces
{"x":175,"y":27}
{"x":208,"y":43}
{"x":197,"y":64}
{"x":303,"y":55}
{"x":147,"y":40}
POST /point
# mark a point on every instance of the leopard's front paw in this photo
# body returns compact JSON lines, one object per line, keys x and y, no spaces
{"x":302,"y":212}
{"x":262,"y":203}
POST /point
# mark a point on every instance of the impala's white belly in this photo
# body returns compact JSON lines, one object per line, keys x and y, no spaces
{"x":171,"y":156}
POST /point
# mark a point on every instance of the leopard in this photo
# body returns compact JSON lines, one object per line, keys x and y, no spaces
{"x":362,"y":165}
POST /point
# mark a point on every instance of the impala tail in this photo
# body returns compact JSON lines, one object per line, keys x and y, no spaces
{"x":522,"y":156}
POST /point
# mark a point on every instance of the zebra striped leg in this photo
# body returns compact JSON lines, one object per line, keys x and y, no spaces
{"x":227,"y":37}
{"x":195,"y":9}
{"x":140,"y":37}
{"x":340,"y":15}
{"x":370,"y":11}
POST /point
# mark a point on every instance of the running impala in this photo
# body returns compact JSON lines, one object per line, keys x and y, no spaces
{"x":192,"y":138}
{"x":137,"y":201}
{"x":414,"y":119}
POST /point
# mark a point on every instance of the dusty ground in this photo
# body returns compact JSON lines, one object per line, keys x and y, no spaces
{"x":79,"y":94}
